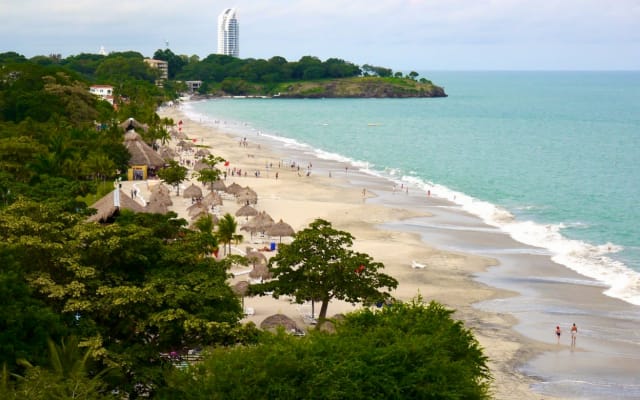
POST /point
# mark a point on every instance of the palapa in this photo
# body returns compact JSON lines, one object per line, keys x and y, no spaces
{"x":218,"y":185}
{"x":161,"y":197}
{"x":212,"y":199}
{"x":233,"y":188}
{"x":202,"y":153}
{"x":199,"y":166}
{"x":156,"y":207}
{"x":200,"y":214}
{"x":167,"y":153}
{"x":246,"y":211}
{"x":196,"y":208}
{"x":141,"y":153}
{"x":192,"y":191}
{"x":110,"y":205}
{"x":247,"y":196}
{"x":279,"y":320}
{"x":256,"y":257}
{"x":132,"y":124}
{"x":241,"y":288}
{"x":260,"y":271}
{"x":280,"y":229}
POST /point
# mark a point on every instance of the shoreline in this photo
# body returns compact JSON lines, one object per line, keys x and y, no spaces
{"x":470,"y":267}
{"x":448,"y":277}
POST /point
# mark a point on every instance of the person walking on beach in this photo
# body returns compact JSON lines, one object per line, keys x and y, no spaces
{"x":558,"y":333}
{"x":574,"y":333}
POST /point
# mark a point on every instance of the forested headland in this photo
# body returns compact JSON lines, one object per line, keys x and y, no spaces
{"x":102,"y":310}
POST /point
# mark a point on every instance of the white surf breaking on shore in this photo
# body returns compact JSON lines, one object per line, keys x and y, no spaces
{"x":587,"y":259}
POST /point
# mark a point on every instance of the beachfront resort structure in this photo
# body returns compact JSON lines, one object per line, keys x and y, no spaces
{"x":105,"y":92}
{"x":228,"y":30}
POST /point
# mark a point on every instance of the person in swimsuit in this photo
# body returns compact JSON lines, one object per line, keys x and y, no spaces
{"x":558,"y":333}
{"x":574,"y":333}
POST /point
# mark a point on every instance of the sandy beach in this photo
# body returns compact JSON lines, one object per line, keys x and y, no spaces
{"x":333,"y":191}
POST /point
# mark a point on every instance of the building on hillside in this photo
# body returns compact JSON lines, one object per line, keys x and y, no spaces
{"x":193,"y":86}
{"x":105,"y":92}
{"x":161,"y":66}
{"x":228,"y":33}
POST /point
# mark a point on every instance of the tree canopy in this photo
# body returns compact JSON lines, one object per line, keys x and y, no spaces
{"x":320,"y":265}
{"x":402,"y":351}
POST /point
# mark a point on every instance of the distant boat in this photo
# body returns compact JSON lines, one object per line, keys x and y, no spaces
{"x":417,"y":265}
{"x":374,"y":124}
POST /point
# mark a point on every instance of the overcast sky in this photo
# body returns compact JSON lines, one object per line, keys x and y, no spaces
{"x":400,"y":34}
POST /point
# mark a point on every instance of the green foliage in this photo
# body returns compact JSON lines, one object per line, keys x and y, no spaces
{"x":403,"y":351}
{"x":211,"y":173}
{"x":173,"y":174}
{"x":227,"y":227}
{"x":320,"y":265}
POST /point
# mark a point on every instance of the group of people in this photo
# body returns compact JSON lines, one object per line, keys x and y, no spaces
{"x":574,"y":333}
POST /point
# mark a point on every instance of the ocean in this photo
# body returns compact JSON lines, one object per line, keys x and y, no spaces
{"x":551,"y":158}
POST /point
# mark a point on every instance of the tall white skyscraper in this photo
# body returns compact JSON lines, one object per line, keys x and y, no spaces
{"x":228,"y":33}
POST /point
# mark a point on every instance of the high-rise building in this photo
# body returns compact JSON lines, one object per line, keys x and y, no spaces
{"x":228,"y":30}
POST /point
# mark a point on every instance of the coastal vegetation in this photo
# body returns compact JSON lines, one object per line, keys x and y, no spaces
{"x":102,"y":310}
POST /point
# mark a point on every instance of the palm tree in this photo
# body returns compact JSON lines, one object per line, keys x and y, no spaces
{"x":227,"y":230}
{"x":69,"y":375}
{"x":207,"y":239}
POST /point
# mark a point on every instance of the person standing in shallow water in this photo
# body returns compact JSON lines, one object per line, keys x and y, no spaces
{"x":574,"y":333}
{"x":558,"y":333}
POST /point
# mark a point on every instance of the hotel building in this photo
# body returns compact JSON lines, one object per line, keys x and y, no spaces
{"x":228,"y":30}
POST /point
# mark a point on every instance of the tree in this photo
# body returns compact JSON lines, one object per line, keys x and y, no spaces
{"x":173,"y":175}
{"x":319,"y":265}
{"x":403,"y":351}
{"x":227,"y":230}
{"x":68,"y":376}
{"x":211,"y":174}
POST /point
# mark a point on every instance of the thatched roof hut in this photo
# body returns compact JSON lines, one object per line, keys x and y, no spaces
{"x":274,"y":321}
{"x":132,"y":124}
{"x":141,"y":153}
{"x":110,"y":205}
{"x":192,"y":191}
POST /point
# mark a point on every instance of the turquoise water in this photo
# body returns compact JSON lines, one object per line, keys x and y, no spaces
{"x":553,"y":158}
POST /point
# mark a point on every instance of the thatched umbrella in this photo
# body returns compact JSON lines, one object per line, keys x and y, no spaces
{"x":202,"y":153}
{"x":256,"y":257}
{"x":247,"y":196}
{"x":167,"y":153}
{"x":240,"y":289}
{"x":247,"y":211}
{"x":199,"y":166}
{"x":196,"y":208}
{"x":212,"y":199}
{"x":179,"y":134}
{"x":201,"y":213}
{"x":260,"y":271}
{"x":161,"y":197}
{"x":218,"y":185}
{"x":259,"y":223}
{"x":233,"y":188}
{"x":274,"y":321}
{"x":184,"y":144}
{"x":192,"y":191}
{"x":156,"y":207}
{"x":280,"y":229}
{"x":111,"y":204}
